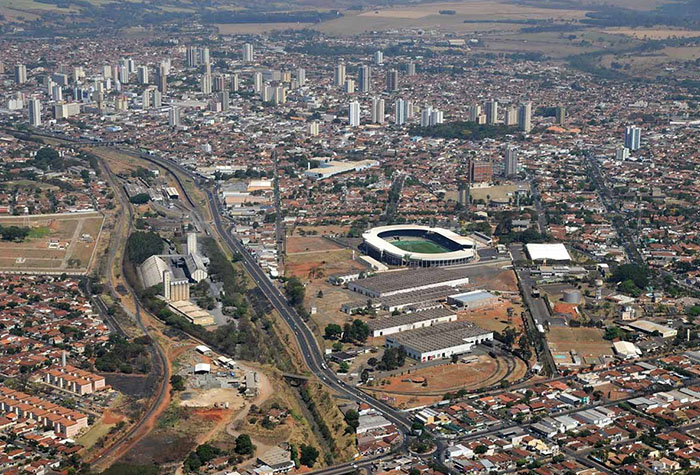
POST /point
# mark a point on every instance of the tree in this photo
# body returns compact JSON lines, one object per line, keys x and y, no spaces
{"x":244,"y":446}
{"x":295,"y":291}
{"x":639,"y":275}
{"x":480,"y":449}
{"x":393,"y":358}
{"x":344,"y":367}
{"x":14,"y":233}
{"x":352,"y":418}
{"x":333,"y":331}
{"x":140,"y":198}
{"x":141,"y":245}
{"x":358,"y":331}
{"x":309,"y":454}
{"x":177,"y":382}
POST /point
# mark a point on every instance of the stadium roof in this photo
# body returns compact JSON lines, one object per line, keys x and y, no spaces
{"x":550,"y":252}
{"x":372,"y":238}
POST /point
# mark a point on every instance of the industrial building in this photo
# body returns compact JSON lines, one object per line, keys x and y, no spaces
{"x":192,"y":312}
{"x":472,"y":300}
{"x":411,"y":321}
{"x":400,"y":282}
{"x":333,"y":167}
{"x":650,"y":328}
{"x":439,"y":341}
{"x":548,"y":252}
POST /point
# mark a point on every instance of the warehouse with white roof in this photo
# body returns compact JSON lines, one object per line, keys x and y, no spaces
{"x":555,"y":252}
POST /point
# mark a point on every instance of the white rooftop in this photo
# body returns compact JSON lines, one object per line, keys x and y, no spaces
{"x":550,"y":252}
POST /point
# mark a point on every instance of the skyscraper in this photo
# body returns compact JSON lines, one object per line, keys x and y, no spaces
{"x":191,"y":57}
{"x":248,"y":53}
{"x":411,"y":69}
{"x":392,"y":80}
{"x":510,"y":164}
{"x":561,"y":115}
{"x":34,"y":112}
{"x":378,"y":58}
{"x":354,"y":114}
{"x":511,"y":115}
{"x":378,"y":113}
{"x":349,"y":86}
{"x":633,"y":137}
{"x":157,"y":99}
{"x":301,"y":77}
{"x":400,"y":112}
{"x":56,"y":93}
{"x":20,"y":73}
{"x":174,"y":117}
{"x":365,"y":77}
{"x":224,"y":99}
{"x":525,"y":117}
{"x":124,"y":74}
{"x":339,"y":74}
{"x":205,"y":83}
{"x":491,"y":112}
{"x":162,"y":79}
{"x":280,"y":95}
{"x":257,"y":81}
{"x":313,"y":128}
{"x":235,"y":82}
{"x":219,"y":83}
{"x":204,"y":55}
{"x":146,"y":99}
{"x":622,"y":153}
{"x":474,"y":112}
{"x":430,"y":117}
{"x":142,"y":74}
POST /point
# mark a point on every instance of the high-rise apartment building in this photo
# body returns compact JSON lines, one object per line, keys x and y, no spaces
{"x":339,"y":74}
{"x":491,"y":112}
{"x":354,"y":114}
{"x":392,"y":80}
{"x":378,"y":112}
{"x":525,"y":117}
{"x":510,"y":164}
{"x":365,"y":78}
{"x":34,"y":112}
{"x":142,"y":74}
{"x":248,"y":53}
{"x":20,"y":73}
{"x":633,"y":138}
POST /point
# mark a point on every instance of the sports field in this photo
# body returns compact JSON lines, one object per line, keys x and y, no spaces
{"x":419,"y":246}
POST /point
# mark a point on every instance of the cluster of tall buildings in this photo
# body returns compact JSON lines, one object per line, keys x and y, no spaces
{"x":513,"y":115}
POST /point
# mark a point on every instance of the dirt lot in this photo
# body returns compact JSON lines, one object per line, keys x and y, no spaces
{"x":408,"y":390}
{"x":498,"y":192}
{"x":309,"y":244}
{"x":495,"y":318}
{"x":57,"y":242}
{"x":209,"y":397}
{"x":320,"y":264}
{"x":587,"y":342}
{"x":502,"y":280}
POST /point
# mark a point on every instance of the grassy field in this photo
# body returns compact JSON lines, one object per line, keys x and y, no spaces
{"x":420,"y":246}
{"x":58,"y":242}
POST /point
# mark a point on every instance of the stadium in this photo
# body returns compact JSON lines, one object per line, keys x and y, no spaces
{"x":418,"y":246}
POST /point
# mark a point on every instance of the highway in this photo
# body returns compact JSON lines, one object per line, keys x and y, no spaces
{"x":310,"y":351}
